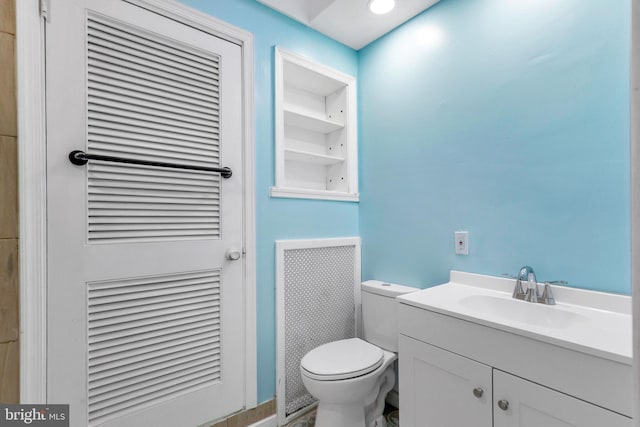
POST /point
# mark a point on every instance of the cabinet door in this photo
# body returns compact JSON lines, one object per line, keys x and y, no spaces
{"x":441,"y":389}
{"x":531,"y":405}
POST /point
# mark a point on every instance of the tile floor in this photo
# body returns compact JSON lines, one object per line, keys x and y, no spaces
{"x":309,"y":420}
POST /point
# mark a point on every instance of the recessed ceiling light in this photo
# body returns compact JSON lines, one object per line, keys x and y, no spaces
{"x":380,"y":7}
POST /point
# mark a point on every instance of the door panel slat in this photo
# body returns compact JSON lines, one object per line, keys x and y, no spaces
{"x":143,"y":69}
{"x":158,"y":361}
{"x":150,"y":348}
{"x":129,"y":371}
{"x":129,"y":334}
{"x":154,"y":49}
{"x":102,"y":97}
{"x":99,"y":416}
{"x":116,"y":331}
{"x":141,"y":38}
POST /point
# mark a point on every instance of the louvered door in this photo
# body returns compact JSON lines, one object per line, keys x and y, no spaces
{"x":145,"y":313}
{"x":149,"y":100}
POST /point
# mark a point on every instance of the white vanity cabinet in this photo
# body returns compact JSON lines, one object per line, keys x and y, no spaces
{"x":439,"y":388}
{"x":531,"y":405}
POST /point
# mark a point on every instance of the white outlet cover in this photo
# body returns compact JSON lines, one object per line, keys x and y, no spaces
{"x":462,"y":242}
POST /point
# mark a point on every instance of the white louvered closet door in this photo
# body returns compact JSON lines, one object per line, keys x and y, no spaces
{"x":145,"y":313}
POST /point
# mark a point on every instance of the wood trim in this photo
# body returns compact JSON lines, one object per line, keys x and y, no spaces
{"x":260,"y":415}
{"x":272,"y":421}
{"x":32,"y":201}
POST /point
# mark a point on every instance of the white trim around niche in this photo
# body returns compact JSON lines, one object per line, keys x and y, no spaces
{"x":281,"y":188}
{"x":30,"y":50}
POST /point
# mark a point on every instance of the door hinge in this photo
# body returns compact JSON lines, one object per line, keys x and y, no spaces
{"x":45,"y":8}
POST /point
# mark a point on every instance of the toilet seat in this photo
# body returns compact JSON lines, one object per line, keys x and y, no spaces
{"x":341,"y":360}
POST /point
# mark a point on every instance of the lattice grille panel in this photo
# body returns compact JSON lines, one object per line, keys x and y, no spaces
{"x":151,"y":339}
{"x":319,"y":304}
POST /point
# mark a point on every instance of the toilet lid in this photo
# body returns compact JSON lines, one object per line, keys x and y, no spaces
{"x":342,"y":359}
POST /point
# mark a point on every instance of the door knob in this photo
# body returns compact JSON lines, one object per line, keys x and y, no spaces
{"x":503,"y":404}
{"x":478,"y":392}
{"x":232,"y":254}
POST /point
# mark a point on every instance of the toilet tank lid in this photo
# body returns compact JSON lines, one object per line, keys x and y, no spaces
{"x":386,"y":289}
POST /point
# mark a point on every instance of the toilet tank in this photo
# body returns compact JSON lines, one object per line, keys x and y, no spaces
{"x":379,"y":312}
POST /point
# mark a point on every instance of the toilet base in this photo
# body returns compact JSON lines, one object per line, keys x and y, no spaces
{"x":333,"y":414}
{"x":367,"y":413}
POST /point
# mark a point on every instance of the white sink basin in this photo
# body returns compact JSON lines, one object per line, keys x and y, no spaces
{"x":514,"y":310}
{"x":591,"y":322}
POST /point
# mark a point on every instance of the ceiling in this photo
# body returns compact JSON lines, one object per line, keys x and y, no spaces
{"x":348,"y":21}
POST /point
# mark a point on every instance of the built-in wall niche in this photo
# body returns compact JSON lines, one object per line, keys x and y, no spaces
{"x":315,"y":130}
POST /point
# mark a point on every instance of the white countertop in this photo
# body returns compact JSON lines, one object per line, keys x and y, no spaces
{"x":591,"y":322}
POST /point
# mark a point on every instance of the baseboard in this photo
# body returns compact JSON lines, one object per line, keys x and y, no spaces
{"x":258,"y":417}
{"x":271,"y":421}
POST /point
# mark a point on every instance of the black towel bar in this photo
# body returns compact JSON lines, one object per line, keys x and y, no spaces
{"x":80,"y":158}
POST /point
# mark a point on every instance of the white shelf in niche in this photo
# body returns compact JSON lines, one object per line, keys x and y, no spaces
{"x":315,"y":131}
{"x":309,"y":157}
{"x":301,"y":120}
{"x":297,"y":193}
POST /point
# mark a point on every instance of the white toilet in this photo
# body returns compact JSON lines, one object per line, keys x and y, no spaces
{"x":351,"y":377}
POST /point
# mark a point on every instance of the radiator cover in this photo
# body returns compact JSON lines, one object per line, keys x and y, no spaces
{"x":318,"y":301}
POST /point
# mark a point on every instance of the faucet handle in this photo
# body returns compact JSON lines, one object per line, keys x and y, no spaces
{"x":524,"y":274}
{"x":518,"y":292}
{"x":532,"y":294}
{"x":547,"y":295}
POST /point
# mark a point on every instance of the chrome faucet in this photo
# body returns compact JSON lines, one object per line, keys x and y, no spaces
{"x":523,"y":275}
{"x":526,"y":274}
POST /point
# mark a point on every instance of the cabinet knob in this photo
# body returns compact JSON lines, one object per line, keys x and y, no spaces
{"x":232,"y":254}
{"x":478,"y":392}
{"x":503,"y":404}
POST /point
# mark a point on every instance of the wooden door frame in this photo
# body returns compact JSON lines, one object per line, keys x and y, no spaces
{"x":30,"y":52}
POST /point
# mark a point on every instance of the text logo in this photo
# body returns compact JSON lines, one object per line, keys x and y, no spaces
{"x":34,"y":415}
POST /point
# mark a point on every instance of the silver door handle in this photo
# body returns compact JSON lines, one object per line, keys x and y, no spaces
{"x":232,"y":254}
{"x":478,"y":392}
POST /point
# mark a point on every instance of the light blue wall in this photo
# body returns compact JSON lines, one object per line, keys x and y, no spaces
{"x":281,"y":218}
{"x":505,"y":118}
{"x":513,"y":126}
